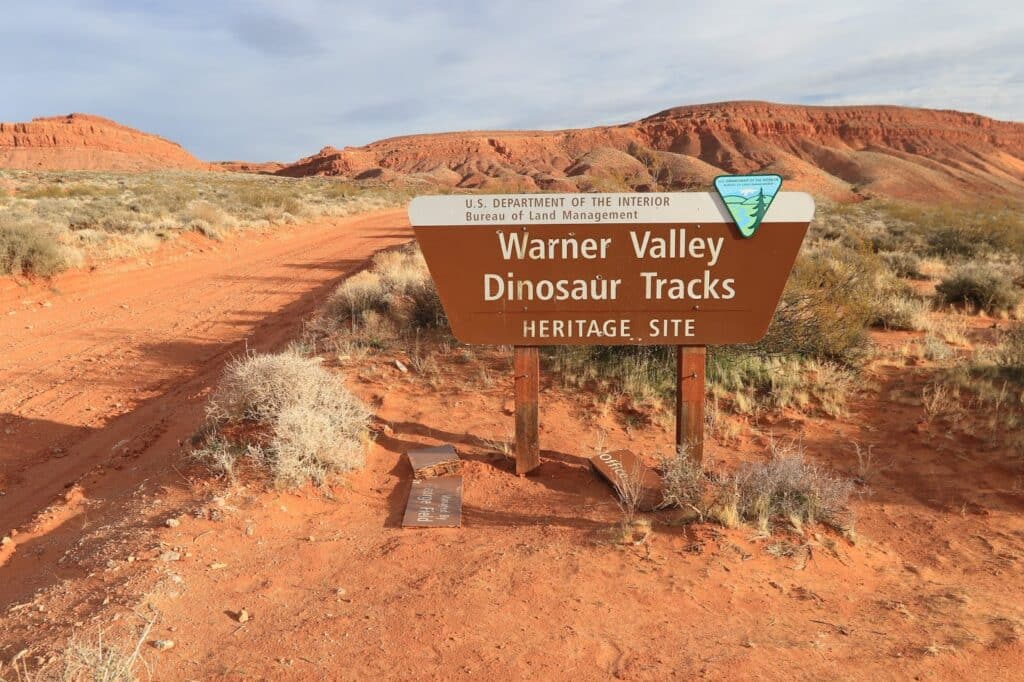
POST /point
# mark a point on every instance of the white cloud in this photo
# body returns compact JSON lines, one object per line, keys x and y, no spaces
{"x":262,"y":80}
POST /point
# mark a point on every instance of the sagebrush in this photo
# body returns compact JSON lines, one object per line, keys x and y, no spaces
{"x":286,"y":414}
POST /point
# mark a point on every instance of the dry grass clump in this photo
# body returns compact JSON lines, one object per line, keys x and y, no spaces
{"x":1009,"y":354}
{"x":396,"y":287}
{"x":786,"y":487}
{"x":790,"y":488}
{"x":286,"y":414}
{"x":751,"y":384}
{"x":28,"y":249}
{"x":983,"y":396}
{"x":111,"y":215}
{"x":683,"y":481}
{"x":981,"y":285}
{"x":82,"y":660}
{"x":903,"y":264}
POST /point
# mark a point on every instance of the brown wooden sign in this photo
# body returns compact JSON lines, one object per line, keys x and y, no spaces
{"x":609,"y":269}
{"x":441,"y":460}
{"x":616,"y":466}
{"x":434,"y":503}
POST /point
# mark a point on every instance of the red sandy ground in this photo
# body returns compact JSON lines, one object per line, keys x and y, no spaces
{"x":101,"y":388}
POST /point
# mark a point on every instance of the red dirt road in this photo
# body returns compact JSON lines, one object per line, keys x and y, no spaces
{"x":99,"y":367}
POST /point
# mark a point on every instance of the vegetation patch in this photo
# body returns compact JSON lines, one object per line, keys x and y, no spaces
{"x":786,"y":488}
{"x":28,"y":249}
{"x":394,"y":297}
{"x":55,"y":220}
{"x":286,"y":414}
{"x":981,"y":285}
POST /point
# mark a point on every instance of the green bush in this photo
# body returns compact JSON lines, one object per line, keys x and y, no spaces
{"x":903,"y":264}
{"x":29,"y":250}
{"x":828,"y":303}
{"x":982,"y":285}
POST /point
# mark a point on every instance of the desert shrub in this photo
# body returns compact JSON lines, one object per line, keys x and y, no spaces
{"x":1010,"y":353}
{"x":903,"y":264}
{"x":287,"y":414}
{"x":826,"y":307}
{"x":985,"y":286}
{"x":791,"y":488}
{"x":894,"y":307}
{"x":683,"y":480}
{"x":397,"y":286}
{"x":29,"y":249}
{"x":935,"y":349}
{"x":785,"y":487}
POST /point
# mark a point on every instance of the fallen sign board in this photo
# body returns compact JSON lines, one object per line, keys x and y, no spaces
{"x":622,"y":468}
{"x":434,"y":503}
{"x":436,"y":461}
{"x":658,"y":268}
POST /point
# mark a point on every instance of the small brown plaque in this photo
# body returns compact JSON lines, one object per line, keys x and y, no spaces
{"x":434,"y":503}
{"x":613,"y":466}
{"x":436,"y":461}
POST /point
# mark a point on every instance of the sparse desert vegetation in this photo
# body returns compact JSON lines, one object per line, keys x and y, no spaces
{"x":287,"y":415}
{"x":50,"y":221}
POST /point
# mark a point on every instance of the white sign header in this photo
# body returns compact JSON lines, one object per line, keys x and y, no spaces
{"x":588,"y":209}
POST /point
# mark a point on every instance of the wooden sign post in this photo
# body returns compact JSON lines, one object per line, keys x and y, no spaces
{"x":530,"y":270}
{"x":691,"y":363}
{"x":527,"y":389}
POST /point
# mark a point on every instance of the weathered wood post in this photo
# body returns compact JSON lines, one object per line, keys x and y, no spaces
{"x":527,"y":390}
{"x":691,"y":363}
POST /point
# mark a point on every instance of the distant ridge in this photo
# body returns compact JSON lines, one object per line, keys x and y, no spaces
{"x":85,"y":142}
{"x":845,"y":153}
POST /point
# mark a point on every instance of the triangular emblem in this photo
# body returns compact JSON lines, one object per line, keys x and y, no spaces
{"x":747,"y":197}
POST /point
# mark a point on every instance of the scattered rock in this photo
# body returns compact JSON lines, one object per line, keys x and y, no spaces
{"x":170,"y":556}
{"x":400,"y":366}
{"x":163,"y":644}
{"x":172,"y":522}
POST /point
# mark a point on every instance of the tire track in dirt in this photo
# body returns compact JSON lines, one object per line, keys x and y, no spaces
{"x":108,"y":369}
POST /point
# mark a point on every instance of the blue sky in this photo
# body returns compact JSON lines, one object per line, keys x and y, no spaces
{"x":261,"y":80}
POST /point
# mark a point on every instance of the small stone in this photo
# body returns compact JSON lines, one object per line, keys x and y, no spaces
{"x":217,"y":566}
{"x":243,"y":616}
{"x":250,"y":530}
{"x":401,"y":366}
{"x":46,"y":304}
{"x":163,"y":644}
{"x":4,"y":541}
{"x":172,"y":522}
{"x":170,"y":556}
{"x":341,"y":591}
